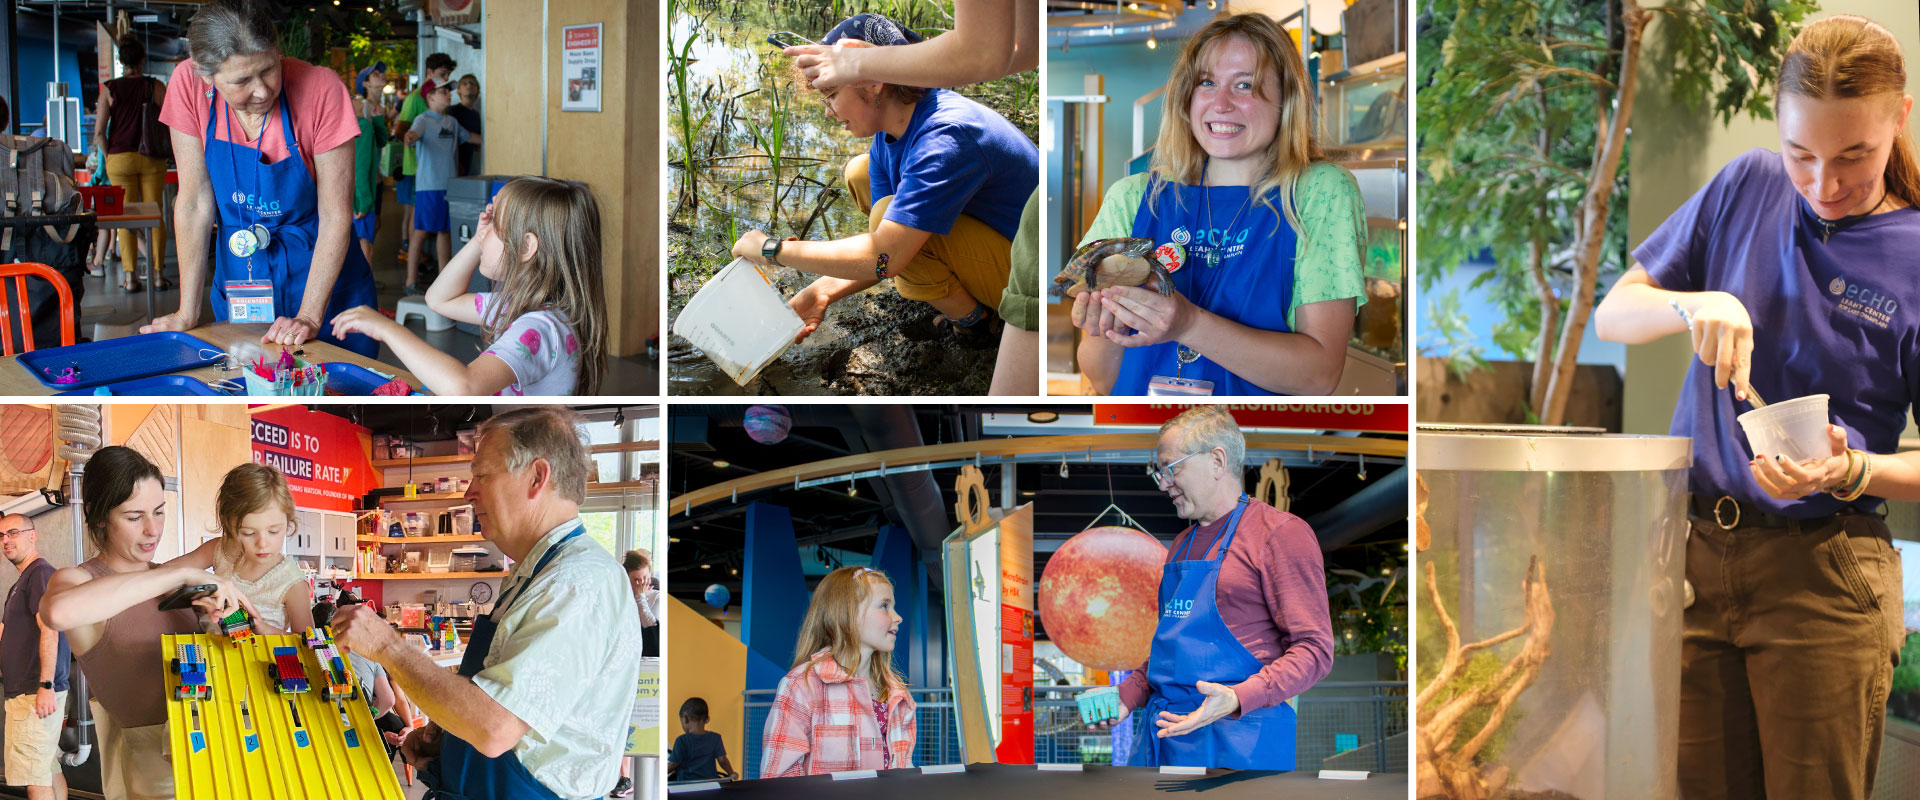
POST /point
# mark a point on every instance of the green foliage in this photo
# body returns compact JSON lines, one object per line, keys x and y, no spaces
{"x":1906,"y":677}
{"x":1450,"y":339}
{"x":1511,"y":117}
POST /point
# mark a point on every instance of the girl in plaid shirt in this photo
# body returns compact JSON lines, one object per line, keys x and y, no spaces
{"x":826,"y":717}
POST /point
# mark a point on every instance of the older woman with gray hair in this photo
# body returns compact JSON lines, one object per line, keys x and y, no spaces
{"x":264,"y":146}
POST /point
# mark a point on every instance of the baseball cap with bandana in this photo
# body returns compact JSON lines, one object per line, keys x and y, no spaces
{"x":873,"y":29}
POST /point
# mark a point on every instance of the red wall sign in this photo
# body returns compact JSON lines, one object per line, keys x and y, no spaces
{"x":327,"y":460}
{"x":1371,"y":417}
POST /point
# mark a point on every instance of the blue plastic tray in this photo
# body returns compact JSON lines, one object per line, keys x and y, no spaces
{"x":346,"y":378}
{"x":118,"y":360}
{"x":163,"y":385}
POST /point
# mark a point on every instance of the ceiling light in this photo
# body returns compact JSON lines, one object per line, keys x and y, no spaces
{"x":1028,"y":493}
{"x":673,"y":540}
{"x":1151,"y":44}
{"x":1043,"y":417}
{"x":706,"y":566}
{"x":721,"y":463}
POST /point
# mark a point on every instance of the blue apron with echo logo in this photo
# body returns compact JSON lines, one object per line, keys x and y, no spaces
{"x":1192,"y":644}
{"x":269,"y":219}
{"x":462,"y":772}
{"x":1252,"y":282}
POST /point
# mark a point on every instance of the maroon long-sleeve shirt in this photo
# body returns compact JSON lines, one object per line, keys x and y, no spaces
{"x":1272,"y":594}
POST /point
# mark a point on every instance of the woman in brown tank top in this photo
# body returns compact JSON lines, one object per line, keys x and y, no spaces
{"x":109,"y":608}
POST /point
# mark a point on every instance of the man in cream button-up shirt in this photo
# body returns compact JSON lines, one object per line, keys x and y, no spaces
{"x":556,"y":686}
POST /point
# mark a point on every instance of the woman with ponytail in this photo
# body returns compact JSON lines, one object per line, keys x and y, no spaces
{"x":1803,"y":261}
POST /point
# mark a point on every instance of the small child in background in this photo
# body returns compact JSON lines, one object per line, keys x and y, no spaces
{"x":697,"y":749}
{"x":255,"y":511}
{"x":436,"y":138}
{"x":546,"y":323}
{"x":842,"y":696}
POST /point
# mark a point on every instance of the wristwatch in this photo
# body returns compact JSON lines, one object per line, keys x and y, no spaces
{"x":46,"y":684}
{"x":770,"y":250}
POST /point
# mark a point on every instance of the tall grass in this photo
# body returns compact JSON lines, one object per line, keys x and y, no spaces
{"x":770,"y":134}
{"x":679,"y":58}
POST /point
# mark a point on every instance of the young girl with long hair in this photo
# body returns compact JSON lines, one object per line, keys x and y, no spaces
{"x":546,"y":322}
{"x":255,"y":512}
{"x":842,"y":706}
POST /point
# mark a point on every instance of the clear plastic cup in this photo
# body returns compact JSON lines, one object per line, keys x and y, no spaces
{"x":1796,"y":429}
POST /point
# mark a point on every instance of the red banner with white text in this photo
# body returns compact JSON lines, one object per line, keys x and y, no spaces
{"x":327,"y":460}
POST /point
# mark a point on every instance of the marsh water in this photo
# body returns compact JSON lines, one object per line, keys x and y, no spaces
{"x":751,"y":149}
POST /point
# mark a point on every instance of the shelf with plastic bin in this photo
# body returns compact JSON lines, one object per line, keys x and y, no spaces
{"x":431,"y":500}
{"x":441,"y":461}
{"x":424,"y":576}
{"x":436,"y":539}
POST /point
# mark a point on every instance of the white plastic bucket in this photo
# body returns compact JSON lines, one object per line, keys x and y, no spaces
{"x":739,"y":320}
{"x":1796,"y":429}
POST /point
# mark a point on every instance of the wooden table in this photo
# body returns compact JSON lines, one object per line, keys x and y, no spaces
{"x":17,"y":380}
{"x":142,"y":215}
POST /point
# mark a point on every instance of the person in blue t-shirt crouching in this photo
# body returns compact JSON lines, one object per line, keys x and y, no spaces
{"x":696,"y":752}
{"x":943,"y":186}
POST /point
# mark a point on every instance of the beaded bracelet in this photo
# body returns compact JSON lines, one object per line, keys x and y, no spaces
{"x":880,"y":267}
{"x":1842,"y":484}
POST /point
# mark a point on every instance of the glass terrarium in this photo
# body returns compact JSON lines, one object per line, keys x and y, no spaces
{"x":1550,"y":598}
{"x":1367,"y":109}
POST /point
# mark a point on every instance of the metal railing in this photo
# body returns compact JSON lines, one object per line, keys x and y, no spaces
{"x":1342,"y":725}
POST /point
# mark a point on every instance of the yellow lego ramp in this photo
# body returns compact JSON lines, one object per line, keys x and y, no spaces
{"x":222,"y":766}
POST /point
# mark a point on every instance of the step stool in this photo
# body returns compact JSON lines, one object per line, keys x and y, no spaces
{"x":417,"y":306}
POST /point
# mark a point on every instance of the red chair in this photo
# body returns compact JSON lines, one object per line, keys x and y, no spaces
{"x":19,"y":272}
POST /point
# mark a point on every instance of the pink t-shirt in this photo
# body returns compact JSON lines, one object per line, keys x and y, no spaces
{"x":322,"y":110}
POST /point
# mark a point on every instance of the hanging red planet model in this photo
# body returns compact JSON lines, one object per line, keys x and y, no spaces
{"x":1098,"y":596}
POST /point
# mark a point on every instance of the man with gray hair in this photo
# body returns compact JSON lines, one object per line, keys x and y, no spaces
{"x":1243,"y":623}
{"x":540,"y":705}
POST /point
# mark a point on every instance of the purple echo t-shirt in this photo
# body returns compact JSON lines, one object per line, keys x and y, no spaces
{"x":1272,"y":594}
{"x":1834,"y":317}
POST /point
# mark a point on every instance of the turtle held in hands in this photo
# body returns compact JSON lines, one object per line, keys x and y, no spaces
{"x":1104,"y":263}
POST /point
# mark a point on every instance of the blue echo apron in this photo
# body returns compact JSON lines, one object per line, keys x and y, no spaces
{"x":462,"y":772}
{"x":282,"y":197}
{"x":1253,"y":285}
{"x":1192,"y":644}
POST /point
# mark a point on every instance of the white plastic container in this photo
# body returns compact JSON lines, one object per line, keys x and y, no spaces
{"x":1796,"y":429}
{"x":739,"y":320}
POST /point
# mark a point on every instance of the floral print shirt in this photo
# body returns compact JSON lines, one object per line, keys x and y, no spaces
{"x":541,"y":349}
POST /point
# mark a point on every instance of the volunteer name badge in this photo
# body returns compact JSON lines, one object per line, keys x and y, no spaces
{"x":249,"y":301}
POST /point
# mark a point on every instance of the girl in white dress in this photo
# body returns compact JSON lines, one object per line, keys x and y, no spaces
{"x":255,"y":510}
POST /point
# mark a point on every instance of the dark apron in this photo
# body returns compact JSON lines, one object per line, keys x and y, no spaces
{"x":462,"y":773}
{"x":1192,"y":644}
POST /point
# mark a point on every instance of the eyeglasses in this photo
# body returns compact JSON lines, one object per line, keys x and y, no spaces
{"x":1164,"y":474}
{"x":11,"y":534}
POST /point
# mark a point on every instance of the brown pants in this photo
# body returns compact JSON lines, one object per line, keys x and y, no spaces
{"x":1787,"y":659}
{"x":973,"y":254}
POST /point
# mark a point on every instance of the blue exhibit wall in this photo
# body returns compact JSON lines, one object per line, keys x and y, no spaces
{"x":36,"y":71}
{"x":773,"y":597}
{"x":1131,"y":71}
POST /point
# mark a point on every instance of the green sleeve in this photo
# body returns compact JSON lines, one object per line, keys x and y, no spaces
{"x":1118,"y":209}
{"x":414,"y":107}
{"x":1333,"y":221}
{"x":1020,"y":302}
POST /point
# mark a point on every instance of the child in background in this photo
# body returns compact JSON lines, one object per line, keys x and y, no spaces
{"x":697,"y":749}
{"x":435,"y":137}
{"x":255,"y":511}
{"x":546,"y":323}
{"x":826,"y":717}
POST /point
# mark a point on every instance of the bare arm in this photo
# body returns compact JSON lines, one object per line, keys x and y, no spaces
{"x":75,"y":598}
{"x":382,"y":695}
{"x":853,"y":258}
{"x":1305,"y":363}
{"x":333,"y":170}
{"x":200,"y":558}
{"x":456,"y":704}
{"x":193,"y":221}
{"x":448,"y":295}
{"x":100,"y":128}
{"x":1635,"y":310}
{"x":439,"y":372}
{"x":1099,"y":359}
{"x":990,"y":39}
{"x":299,"y":606}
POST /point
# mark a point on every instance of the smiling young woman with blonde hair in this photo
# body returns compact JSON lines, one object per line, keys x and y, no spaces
{"x":1264,"y":303}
